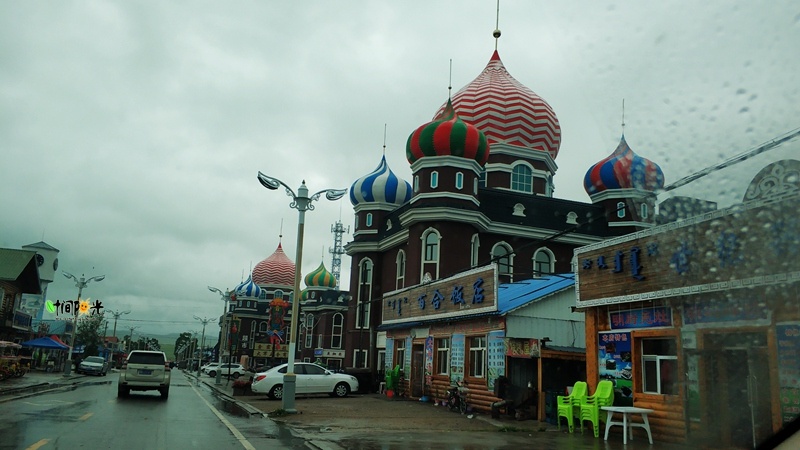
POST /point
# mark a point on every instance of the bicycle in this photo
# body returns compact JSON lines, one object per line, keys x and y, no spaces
{"x":457,"y":397}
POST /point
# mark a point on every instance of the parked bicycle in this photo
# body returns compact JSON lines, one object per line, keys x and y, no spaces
{"x":457,"y":397}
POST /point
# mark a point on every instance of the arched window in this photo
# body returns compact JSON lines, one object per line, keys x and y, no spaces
{"x":459,"y":180}
{"x":336,"y":331}
{"x":501,"y":255}
{"x":621,"y":210}
{"x":401,"y":270}
{"x":475,"y":246}
{"x":416,"y":183}
{"x":309,"y":330}
{"x":262,"y":327}
{"x":369,"y":219}
{"x":543,"y":262}
{"x":430,"y":253}
{"x":364,"y":293}
{"x":522,"y":178}
{"x":434,"y":180}
{"x":355,"y":225}
{"x":645,"y":211}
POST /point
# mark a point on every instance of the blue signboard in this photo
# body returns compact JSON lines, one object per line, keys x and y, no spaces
{"x":660,"y":316}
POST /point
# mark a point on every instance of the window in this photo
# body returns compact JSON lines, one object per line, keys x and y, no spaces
{"x":621,"y":210}
{"x":359,"y":358}
{"x":381,"y":361}
{"x":542,"y":262}
{"x":443,"y":356}
{"x":309,"y":330}
{"x":522,"y":178}
{"x":369,"y":219}
{"x":401,"y":270}
{"x":336,"y":332}
{"x":364,"y":294}
{"x":400,"y":353}
{"x":477,"y":357}
{"x":434,"y":180}
{"x":430,"y":253}
{"x":481,"y":179}
{"x":416,"y":183}
{"x":262,"y":327}
{"x":645,"y":212}
{"x":501,"y":255}
{"x":459,"y":180}
{"x":474,"y":247}
{"x":659,"y":366}
{"x":355,"y":225}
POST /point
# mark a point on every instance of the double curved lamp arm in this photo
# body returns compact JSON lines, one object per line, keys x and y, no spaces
{"x":300,"y":200}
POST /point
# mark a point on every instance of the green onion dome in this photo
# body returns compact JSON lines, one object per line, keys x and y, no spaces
{"x":320,"y":278}
{"x":448,"y":135}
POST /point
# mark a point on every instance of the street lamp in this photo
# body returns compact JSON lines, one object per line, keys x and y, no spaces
{"x":116,"y":315}
{"x":223,"y":330}
{"x":80,"y":284}
{"x":204,"y":321}
{"x":302,"y":202}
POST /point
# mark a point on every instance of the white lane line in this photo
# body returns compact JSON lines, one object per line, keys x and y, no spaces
{"x":242,"y":440}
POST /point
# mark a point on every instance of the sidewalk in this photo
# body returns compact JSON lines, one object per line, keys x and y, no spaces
{"x":33,"y":382}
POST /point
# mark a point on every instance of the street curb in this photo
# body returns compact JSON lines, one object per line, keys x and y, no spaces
{"x":253,"y":411}
{"x":36,"y":389}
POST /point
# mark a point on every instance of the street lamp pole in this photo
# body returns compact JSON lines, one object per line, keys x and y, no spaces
{"x":302,"y":202}
{"x":223,"y":330}
{"x":116,"y":315}
{"x":204,"y":321}
{"x":80,"y":284}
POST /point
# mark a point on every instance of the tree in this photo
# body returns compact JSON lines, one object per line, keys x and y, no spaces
{"x":88,"y":334}
{"x":182,"y":343}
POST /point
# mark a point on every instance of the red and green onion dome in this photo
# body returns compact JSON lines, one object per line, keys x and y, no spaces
{"x":507,"y":111}
{"x":623,"y":169}
{"x":448,"y":135}
{"x":320,"y":278}
{"x":276,"y":269}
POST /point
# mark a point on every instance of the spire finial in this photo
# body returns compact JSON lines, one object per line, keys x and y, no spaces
{"x":496,"y":32}
{"x":384,"y":139}
{"x":623,"y":117}
{"x":280,"y":236}
{"x":450,"y":81}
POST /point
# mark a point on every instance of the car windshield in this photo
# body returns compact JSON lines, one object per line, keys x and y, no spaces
{"x":522,"y":199}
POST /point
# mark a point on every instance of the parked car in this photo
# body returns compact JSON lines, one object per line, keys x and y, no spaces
{"x":144,"y":370}
{"x":228,"y":370}
{"x":209,"y":366}
{"x":311,"y":379}
{"x":93,"y":365}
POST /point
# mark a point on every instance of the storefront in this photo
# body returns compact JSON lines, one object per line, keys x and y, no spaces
{"x":698,"y":319}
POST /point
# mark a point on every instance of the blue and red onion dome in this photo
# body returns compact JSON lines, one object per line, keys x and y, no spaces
{"x":448,"y":135}
{"x":623,"y":169}
{"x":507,"y":111}
{"x":276,"y":269}
{"x":380,"y":186}
{"x":320,"y":278}
{"x":247,"y":289}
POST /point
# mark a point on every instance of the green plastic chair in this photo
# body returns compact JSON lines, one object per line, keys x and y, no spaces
{"x":569,"y":405}
{"x":590,"y":406}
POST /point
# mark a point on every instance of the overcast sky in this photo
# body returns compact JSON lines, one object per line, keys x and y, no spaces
{"x":132,"y":132}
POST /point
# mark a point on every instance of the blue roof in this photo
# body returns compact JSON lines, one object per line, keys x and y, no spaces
{"x":511,"y":296}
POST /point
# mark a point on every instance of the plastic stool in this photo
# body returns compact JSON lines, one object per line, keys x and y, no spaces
{"x":382,"y":388}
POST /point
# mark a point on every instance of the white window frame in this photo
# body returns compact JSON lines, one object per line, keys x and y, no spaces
{"x":369,"y":220}
{"x":443,"y":356}
{"x":459,"y":180}
{"x":537,"y":273}
{"x":645,"y":211}
{"x":400,"y":353}
{"x":477,"y":356}
{"x":416,"y":183}
{"x":656,"y":360}
{"x":621,"y":210}
{"x":431,"y":252}
{"x":522,"y":178}
{"x":365,"y":273}
{"x":475,"y":247}
{"x":356,"y":353}
{"x":337,"y":327}
{"x":434,"y":179}
{"x":504,"y":268}
{"x":309,"y":330}
{"x":400,"y":279}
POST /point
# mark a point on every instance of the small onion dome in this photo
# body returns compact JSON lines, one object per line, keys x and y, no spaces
{"x":623,"y":169}
{"x":380,"y":186}
{"x":320,"y":278}
{"x":248,"y":289}
{"x":508,"y":111}
{"x":448,"y":135}
{"x":276,"y":269}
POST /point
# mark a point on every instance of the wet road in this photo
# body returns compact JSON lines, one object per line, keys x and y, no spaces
{"x":91,"y":416}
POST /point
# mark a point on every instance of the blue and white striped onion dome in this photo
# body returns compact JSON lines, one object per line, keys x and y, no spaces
{"x":380,"y":186}
{"x":248,"y":289}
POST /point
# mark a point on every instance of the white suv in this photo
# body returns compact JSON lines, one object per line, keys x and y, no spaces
{"x":233,"y":370}
{"x":144,"y":371}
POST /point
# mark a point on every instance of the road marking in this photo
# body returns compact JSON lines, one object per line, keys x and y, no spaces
{"x":48,"y":403}
{"x":242,"y":440}
{"x":38,"y":444}
{"x":86,"y":416}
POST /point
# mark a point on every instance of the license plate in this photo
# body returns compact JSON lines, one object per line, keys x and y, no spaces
{"x":145,"y":372}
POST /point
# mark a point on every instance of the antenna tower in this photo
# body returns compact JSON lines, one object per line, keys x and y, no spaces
{"x":337,"y":250}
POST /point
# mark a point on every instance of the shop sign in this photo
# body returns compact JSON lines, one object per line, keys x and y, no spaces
{"x":641,"y":318}
{"x":614,"y":358}
{"x":328,"y":353}
{"x":467,"y":293}
{"x":730,"y":310}
{"x":522,"y":348}
{"x":788,"y":343}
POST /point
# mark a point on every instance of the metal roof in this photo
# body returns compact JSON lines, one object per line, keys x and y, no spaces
{"x":515,"y":295}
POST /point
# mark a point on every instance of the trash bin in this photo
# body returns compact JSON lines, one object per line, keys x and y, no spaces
{"x":551,"y":406}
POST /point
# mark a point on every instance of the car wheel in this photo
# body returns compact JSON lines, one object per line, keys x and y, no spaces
{"x":212,"y":374}
{"x":341,"y":390}
{"x":123,"y":392}
{"x":164,"y":393}
{"x":236,"y":376}
{"x":276,"y":392}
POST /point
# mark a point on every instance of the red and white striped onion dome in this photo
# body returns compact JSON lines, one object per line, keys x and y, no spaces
{"x":320,"y":277}
{"x":276,"y":269}
{"x":247,"y":289}
{"x":623,"y":169}
{"x":507,"y":111}
{"x":448,"y":135}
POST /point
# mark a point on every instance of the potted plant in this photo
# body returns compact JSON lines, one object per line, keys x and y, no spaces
{"x":242,"y":387}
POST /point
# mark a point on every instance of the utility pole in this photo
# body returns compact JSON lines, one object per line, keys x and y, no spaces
{"x":116,"y":315}
{"x":130,"y":339}
{"x":204,"y":321}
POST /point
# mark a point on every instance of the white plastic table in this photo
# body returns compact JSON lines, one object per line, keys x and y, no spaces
{"x":627,"y":425}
